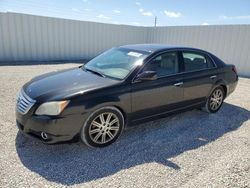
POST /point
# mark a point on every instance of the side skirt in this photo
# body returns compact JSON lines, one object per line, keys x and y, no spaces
{"x":165,"y":114}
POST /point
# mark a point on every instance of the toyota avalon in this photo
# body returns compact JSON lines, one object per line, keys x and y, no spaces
{"x":123,"y":86}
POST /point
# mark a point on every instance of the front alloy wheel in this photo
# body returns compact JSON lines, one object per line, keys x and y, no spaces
{"x":103,"y":127}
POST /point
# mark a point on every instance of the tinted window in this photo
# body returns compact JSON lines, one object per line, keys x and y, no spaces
{"x":195,"y":61}
{"x":164,"y":64}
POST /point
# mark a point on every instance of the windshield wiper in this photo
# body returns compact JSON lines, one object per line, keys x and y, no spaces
{"x":95,"y":72}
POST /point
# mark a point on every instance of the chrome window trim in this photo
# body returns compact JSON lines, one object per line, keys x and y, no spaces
{"x":184,"y":72}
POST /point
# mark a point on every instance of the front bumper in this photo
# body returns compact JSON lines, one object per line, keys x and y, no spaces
{"x":58,"y":129}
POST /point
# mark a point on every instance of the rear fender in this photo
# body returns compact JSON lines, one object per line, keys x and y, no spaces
{"x":218,"y":83}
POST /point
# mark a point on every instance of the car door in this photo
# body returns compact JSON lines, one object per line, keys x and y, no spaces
{"x":157,"y":96}
{"x":199,"y":76}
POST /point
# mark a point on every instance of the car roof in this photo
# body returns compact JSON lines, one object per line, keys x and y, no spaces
{"x":151,"y":48}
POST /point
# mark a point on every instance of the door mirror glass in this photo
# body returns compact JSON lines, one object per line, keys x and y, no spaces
{"x":147,"y":75}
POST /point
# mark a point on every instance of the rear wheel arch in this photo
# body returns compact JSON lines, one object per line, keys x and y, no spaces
{"x":221,"y":83}
{"x":225,"y":89}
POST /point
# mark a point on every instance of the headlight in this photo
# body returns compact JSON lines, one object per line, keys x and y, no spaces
{"x":51,"y":108}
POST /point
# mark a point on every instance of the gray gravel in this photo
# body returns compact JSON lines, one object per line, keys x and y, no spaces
{"x":192,"y":149}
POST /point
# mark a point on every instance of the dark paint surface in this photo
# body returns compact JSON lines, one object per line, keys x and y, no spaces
{"x":62,"y":84}
{"x":139,"y":101}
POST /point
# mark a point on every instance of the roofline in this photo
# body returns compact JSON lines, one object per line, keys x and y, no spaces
{"x":162,"y":47}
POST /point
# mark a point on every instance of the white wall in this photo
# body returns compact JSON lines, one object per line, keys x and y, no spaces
{"x":27,"y":37}
{"x":231,"y":43}
{"x":36,"y":38}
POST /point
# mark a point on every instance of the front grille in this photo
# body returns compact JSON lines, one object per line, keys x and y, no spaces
{"x":24,"y":102}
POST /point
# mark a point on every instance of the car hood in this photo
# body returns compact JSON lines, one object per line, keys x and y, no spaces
{"x":64,"y":84}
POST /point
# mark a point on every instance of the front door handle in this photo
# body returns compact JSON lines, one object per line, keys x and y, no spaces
{"x":178,"y":84}
{"x":212,"y":77}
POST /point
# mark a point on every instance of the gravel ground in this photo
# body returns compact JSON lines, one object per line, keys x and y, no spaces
{"x":192,"y":149}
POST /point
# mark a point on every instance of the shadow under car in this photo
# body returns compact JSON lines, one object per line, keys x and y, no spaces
{"x":156,"y":141}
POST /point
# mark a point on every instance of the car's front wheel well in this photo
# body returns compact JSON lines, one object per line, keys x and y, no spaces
{"x":123,"y":114}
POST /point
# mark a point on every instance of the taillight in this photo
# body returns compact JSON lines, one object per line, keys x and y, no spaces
{"x":234,"y":70}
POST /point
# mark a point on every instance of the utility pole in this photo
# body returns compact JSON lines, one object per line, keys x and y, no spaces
{"x":155,"y":21}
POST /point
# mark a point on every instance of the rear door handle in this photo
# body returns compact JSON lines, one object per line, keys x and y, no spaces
{"x":178,"y":84}
{"x":212,"y":77}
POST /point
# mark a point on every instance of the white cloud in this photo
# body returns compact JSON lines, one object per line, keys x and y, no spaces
{"x":87,"y":9}
{"x":75,"y":10}
{"x":171,"y":14}
{"x":117,"y":11}
{"x":242,"y":17}
{"x":147,"y":13}
{"x":205,"y":23}
{"x":115,"y":22}
{"x":141,"y":10}
{"x":138,"y":3}
{"x":223,"y":17}
{"x":103,"y":17}
{"x":135,"y":23}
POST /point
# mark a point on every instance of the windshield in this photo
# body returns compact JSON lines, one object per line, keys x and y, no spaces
{"x":116,"y":63}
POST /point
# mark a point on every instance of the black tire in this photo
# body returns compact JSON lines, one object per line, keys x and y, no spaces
{"x":209,"y":107}
{"x":91,"y":128}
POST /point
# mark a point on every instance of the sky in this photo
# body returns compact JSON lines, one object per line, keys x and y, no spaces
{"x":138,"y":12}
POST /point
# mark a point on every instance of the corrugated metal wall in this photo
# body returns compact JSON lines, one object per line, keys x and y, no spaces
{"x":27,"y":37}
{"x":229,"y":42}
{"x":36,"y":38}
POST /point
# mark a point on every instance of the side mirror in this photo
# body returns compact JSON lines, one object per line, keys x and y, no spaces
{"x":146,"y":75}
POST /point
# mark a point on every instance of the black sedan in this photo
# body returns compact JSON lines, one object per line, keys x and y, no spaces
{"x":122,"y":86}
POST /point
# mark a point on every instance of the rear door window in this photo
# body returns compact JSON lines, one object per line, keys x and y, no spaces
{"x":196,"y":61}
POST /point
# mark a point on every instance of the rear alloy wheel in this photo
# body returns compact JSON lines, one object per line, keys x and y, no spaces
{"x":215,"y":100}
{"x":103,"y":127}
